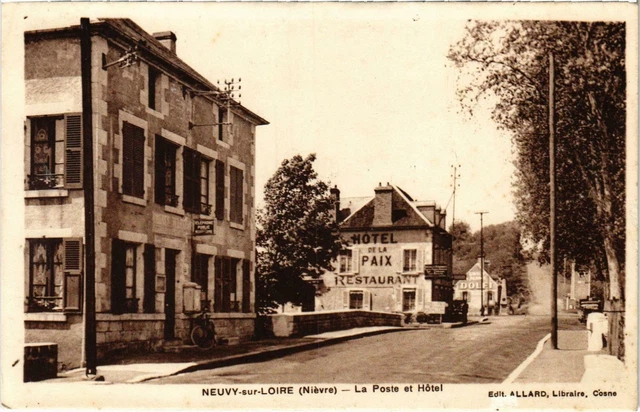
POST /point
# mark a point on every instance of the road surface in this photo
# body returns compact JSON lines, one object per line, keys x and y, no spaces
{"x":482,"y":353}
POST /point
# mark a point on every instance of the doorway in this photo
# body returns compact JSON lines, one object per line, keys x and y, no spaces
{"x":170,"y":294}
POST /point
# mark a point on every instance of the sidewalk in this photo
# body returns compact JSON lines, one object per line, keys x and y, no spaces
{"x":571,"y":362}
{"x":140,"y":367}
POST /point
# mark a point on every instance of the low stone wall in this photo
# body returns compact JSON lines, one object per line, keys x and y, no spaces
{"x":309,"y":323}
{"x":63,"y":329}
{"x":116,"y":333}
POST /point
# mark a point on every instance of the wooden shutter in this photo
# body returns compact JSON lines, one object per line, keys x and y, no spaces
{"x":149,"y":298}
{"x":191,"y":179}
{"x":127,"y":159}
{"x":345,"y":299}
{"x":218,"y":285}
{"x":117,"y":276}
{"x":419,"y":260}
{"x":419,"y":298}
{"x":366,"y":300}
{"x":72,"y":274}
{"x":73,"y":151}
{"x":355,"y":263}
{"x":246,"y":286}
{"x":138,"y":163}
{"x":160,"y":171}
{"x":219,"y":190}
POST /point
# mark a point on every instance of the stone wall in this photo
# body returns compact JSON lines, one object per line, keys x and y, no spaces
{"x":128,"y":332}
{"x":301,"y":324}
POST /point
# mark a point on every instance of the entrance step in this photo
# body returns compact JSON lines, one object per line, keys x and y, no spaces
{"x":175,"y":346}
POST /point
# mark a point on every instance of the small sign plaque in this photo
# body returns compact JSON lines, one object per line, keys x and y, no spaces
{"x":435,"y":271}
{"x":202,"y":227}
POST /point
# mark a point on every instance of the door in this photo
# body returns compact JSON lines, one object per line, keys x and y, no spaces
{"x":170,"y":294}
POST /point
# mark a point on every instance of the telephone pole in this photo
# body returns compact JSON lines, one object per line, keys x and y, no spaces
{"x":481,"y":213}
{"x":552,"y":206}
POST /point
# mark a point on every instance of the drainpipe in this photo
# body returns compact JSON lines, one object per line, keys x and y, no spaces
{"x":89,"y":224}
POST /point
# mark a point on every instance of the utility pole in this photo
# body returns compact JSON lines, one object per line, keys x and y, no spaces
{"x":552,"y":205}
{"x":481,"y":213}
{"x":455,"y":175}
{"x":89,"y":228}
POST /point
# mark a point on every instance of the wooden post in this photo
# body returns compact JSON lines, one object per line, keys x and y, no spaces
{"x":552,"y":206}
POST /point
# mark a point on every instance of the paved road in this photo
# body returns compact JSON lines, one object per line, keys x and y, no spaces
{"x":474,"y":354}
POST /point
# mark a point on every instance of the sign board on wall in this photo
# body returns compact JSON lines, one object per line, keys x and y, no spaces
{"x":202,"y":227}
{"x":435,"y":271}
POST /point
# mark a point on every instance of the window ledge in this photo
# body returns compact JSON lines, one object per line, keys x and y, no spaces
{"x":174,"y":210}
{"x":238,"y":226}
{"x":223,"y":144}
{"x":134,"y":200}
{"x":129,"y":316}
{"x":155,"y":113}
{"x":45,"y":317}
{"x":33,"y":194}
{"x":232,"y":315}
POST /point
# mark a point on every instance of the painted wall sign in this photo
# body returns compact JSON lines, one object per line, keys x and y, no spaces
{"x":342,"y":280}
{"x":462,"y":285}
{"x":202,"y":227}
{"x":373,"y":238}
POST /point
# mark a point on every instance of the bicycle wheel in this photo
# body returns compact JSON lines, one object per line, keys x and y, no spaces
{"x":203,"y":338}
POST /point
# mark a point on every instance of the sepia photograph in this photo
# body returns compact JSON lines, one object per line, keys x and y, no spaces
{"x":319,"y":205}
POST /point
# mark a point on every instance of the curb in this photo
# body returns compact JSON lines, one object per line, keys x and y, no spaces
{"x":264,"y":355}
{"x":517,"y":371}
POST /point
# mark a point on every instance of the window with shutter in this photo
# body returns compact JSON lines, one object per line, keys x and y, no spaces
{"x":56,"y":159}
{"x":200,"y":275}
{"x":132,"y":160}
{"x":219,"y":190}
{"x":55,"y":275}
{"x":218,"y":284}
{"x":205,"y":206}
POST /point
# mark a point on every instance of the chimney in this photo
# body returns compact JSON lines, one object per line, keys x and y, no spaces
{"x":443,"y":220}
{"x":382,"y":204}
{"x":335,"y":196}
{"x":436,"y":216}
{"x":168,"y":40}
{"x":487,"y":264}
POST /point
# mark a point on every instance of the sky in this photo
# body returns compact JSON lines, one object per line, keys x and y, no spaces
{"x":368,"y":88}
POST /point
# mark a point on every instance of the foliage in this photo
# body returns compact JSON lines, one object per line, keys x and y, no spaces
{"x":503,"y":253}
{"x":507,"y":62}
{"x":297,"y":234}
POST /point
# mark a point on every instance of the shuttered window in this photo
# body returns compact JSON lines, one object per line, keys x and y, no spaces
{"x":55,"y":275}
{"x":236,"y":177}
{"x":200,"y":275}
{"x":219,"y":190}
{"x":124,"y":273}
{"x":132,"y":160}
{"x":196,"y":182}
{"x":56,"y":158}
{"x":410,"y":263}
{"x":225,"y":295}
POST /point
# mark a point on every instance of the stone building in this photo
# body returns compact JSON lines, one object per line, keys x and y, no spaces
{"x":398,"y":257}
{"x":173,"y":178}
{"x":493,"y":291}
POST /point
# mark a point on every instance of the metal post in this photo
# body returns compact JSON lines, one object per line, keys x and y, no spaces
{"x":87,"y":173}
{"x":552,"y":206}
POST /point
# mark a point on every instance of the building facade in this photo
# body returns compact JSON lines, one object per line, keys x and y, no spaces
{"x":173,"y":177}
{"x":492,"y":293}
{"x":392,"y":241}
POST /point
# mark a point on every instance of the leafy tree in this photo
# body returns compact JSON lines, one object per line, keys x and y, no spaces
{"x":507,"y":62}
{"x":297,"y":234}
{"x":502,"y":248}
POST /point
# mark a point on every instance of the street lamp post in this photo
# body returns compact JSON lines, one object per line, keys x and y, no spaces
{"x":481,"y":213}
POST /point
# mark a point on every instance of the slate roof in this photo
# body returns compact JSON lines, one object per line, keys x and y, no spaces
{"x":404,"y":213}
{"x":130,"y":30}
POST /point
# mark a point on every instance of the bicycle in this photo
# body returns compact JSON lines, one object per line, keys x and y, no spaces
{"x":203,"y":332}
